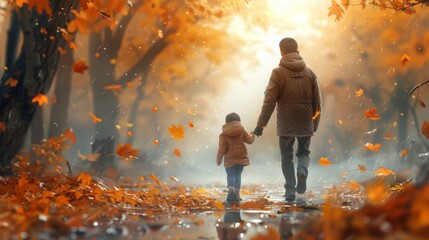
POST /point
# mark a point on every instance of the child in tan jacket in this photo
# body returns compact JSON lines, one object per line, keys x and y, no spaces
{"x":234,"y":152}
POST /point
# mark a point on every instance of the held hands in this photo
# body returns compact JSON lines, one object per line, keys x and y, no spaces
{"x":258,"y":131}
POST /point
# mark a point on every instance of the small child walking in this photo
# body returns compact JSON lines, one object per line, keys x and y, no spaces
{"x":234,"y":152}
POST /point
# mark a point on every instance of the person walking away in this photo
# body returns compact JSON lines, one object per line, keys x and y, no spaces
{"x":233,"y":150}
{"x":294,"y":89}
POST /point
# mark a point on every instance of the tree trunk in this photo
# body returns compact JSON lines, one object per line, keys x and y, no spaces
{"x":34,"y":70}
{"x":37,"y":127}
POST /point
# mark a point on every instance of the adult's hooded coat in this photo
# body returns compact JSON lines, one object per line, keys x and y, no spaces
{"x":294,"y":88}
{"x":231,"y":145}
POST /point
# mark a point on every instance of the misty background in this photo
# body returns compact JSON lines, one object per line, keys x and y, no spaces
{"x":362,"y":51}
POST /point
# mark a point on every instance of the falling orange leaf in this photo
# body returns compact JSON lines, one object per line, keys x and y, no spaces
{"x":425,"y":129}
{"x":403,"y":153}
{"x":384,"y":172}
{"x":113,"y":61}
{"x":324,"y":161}
{"x":156,"y":142}
{"x":315,"y":116}
{"x":154,"y":178}
{"x":80,"y":66}
{"x":70,"y":135}
{"x":177,"y":133}
{"x":160,"y":33}
{"x":388,"y":136}
{"x":372,"y":114}
{"x":93,"y":157}
{"x":191,"y":124}
{"x":95,"y":119}
{"x":359,"y":92}
{"x":113,"y":87}
{"x":174,"y":179}
{"x":62,"y":51}
{"x":12,"y":82}
{"x":362,"y":168}
{"x":126,"y":152}
{"x":129,"y":133}
{"x":404,"y":59}
{"x":422,"y":104}
{"x":54,"y":100}
{"x":2,"y":127}
{"x":155,"y":109}
{"x":40,"y":99}
{"x":177,"y":153}
{"x":373,"y":147}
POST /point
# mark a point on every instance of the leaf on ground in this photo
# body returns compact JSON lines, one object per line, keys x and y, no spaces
{"x":80,"y":66}
{"x":40,"y":99}
{"x":372,"y":114}
{"x":324,"y":161}
{"x":126,"y":152}
{"x":384,"y":172}
{"x":372,"y":147}
{"x":62,"y":200}
{"x":95,"y":119}
{"x":154,"y":178}
{"x":85,"y":179}
{"x":177,"y":132}
{"x":354,"y":185}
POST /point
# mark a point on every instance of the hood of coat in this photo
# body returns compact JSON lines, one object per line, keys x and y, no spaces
{"x":232,"y":129}
{"x":293,"y":61}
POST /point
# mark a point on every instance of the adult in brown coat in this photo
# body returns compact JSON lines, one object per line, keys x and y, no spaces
{"x":294,"y":89}
{"x":232,"y":148}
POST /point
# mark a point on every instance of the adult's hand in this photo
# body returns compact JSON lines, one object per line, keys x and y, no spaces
{"x":258,"y":131}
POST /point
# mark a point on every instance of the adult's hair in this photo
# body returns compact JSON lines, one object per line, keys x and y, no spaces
{"x":288,"y":45}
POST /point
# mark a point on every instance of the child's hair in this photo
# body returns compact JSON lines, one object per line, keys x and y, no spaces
{"x":232,"y":117}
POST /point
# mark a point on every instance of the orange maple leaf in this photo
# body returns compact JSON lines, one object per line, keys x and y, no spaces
{"x":155,"y":109}
{"x":373,"y":147}
{"x":126,"y":152}
{"x":95,"y":119}
{"x":362,"y":168}
{"x":316,"y":115}
{"x":372,"y":114}
{"x":70,"y":135}
{"x":425,"y":129}
{"x":62,"y":200}
{"x":177,"y":133}
{"x":324,"y":161}
{"x":80,"y":66}
{"x":88,"y":157}
{"x":177,"y":153}
{"x":359,"y":92}
{"x":388,"y":136}
{"x":403,"y":153}
{"x":40,"y":99}
{"x":154,"y":178}
{"x":85,"y":179}
{"x":40,"y":5}
{"x":384,"y":172}
{"x":190,"y":124}
{"x":335,"y":9}
{"x":2,"y":127}
{"x":404,"y":59}
{"x":113,"y":87}
{"x":62,"y":51}
{"x":12,"y":82}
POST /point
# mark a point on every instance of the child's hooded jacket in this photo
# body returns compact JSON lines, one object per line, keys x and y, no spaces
{"x":231,"y":144}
